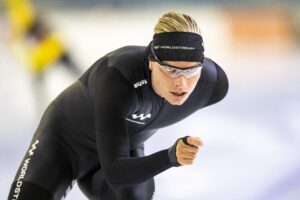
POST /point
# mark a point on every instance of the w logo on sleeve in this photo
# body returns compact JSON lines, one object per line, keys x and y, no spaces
{"x":141,"y":116}
{"x":138,"y":119}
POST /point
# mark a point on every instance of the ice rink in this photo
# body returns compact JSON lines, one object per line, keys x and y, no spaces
{"x":251,"y":139}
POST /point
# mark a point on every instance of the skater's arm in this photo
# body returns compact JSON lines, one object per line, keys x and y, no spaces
{"x":115,"y":99}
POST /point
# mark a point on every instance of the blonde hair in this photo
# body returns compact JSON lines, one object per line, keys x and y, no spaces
{"x":176,"y":22}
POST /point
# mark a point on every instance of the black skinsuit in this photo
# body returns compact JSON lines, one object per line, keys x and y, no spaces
{"x":94,"y":131}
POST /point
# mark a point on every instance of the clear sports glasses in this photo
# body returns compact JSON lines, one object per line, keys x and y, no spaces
{"x":173,"y":71}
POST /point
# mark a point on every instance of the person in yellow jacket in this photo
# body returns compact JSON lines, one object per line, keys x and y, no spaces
{"x":43,"y":47}
{"x":35,"y":44}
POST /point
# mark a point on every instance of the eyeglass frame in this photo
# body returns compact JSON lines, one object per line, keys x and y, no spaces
{"x":177,"y":69}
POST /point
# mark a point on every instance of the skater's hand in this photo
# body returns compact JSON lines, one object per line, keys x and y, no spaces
{"x":187,"y":149}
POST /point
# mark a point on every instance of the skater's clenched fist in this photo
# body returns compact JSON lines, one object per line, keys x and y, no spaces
{"x":185,"y":150}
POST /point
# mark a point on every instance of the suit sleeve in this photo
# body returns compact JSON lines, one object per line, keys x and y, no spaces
{"x":115,"y":99}
{"x":221,"y":87}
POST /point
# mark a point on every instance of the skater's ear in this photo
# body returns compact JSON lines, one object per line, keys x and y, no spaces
{"x":151,"y":65}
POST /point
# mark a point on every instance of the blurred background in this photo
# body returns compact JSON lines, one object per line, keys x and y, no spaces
{"x":251,"y":139}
